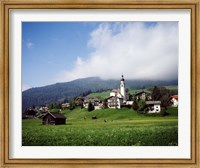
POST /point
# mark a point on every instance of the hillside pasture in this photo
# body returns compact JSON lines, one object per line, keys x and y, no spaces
{"x":113,"y":127}
{"x":106,"y":94}
{"x":133,"y":91}
{"x":100,"y":95}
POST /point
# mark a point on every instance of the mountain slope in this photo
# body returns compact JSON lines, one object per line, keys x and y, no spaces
{"x":80,"y":87}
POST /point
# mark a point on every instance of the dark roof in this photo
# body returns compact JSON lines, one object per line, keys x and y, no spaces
{"x":91,"y":99}
{"x":80,"y":98}
{"x":141,"y":92}
{"x":108,"y":97}
{"x":115,"y":90}
{"x":153,"y":102}
{"x":112,"y":97}
{"x":56,"y":115}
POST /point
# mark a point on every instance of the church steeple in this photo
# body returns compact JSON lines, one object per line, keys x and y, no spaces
{"x":122,"y":88}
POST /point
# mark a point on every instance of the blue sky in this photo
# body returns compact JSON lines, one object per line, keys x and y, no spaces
{"x":63,"y":51}
{"x":50,"y":47}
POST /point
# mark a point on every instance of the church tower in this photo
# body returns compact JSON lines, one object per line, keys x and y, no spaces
{"x":122,"y":88}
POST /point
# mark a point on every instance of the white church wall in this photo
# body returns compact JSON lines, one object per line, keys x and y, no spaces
{"x":112,"y":93}
{"x":129,"y":102}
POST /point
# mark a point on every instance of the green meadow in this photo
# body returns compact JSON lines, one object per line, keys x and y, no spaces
{"x":105,"y":94}
{"x":122,"y":127}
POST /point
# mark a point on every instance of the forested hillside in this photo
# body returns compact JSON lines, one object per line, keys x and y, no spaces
{"x":60,"y":92}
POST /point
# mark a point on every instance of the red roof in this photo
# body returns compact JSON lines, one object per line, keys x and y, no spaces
{"x":175,"y":97}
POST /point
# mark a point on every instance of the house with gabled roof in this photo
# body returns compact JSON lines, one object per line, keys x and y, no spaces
{"x":95,"y":102}
{"x":153,"y":106}
{"x":114,"y":102}
{"x":53,"y":119}
{"x":144,"y":95}
{"x":173,"y":100}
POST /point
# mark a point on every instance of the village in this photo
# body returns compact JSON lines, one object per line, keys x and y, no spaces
{"x":151,"y":102}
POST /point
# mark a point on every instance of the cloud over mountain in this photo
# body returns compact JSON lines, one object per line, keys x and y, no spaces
{"x":137,"y":49}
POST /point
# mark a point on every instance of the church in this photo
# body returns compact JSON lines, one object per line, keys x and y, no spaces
{"x":118,"y":96}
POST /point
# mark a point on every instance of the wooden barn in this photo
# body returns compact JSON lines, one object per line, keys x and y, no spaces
{"x":53,"y":119}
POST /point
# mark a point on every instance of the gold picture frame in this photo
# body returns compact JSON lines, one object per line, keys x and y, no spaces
{"x":193,"y":5}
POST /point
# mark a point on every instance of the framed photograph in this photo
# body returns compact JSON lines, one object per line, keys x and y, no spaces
{"x":105,"y":83}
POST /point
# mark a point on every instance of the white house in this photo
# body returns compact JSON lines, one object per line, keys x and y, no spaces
{"x":65,"y":105}
{"x":153,"y":106}
{"x":114,"y":102}
{"x":174,"y":100}
{"x":129,"y":102}
{"x":95,"y":102}
{"x":116,"y":92}
{"x":43,"y":109}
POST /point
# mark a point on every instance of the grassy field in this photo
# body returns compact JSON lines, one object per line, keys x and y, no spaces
{"x":105,"y":94}
{"x":101,"y":95}
{"x":173,"y":87}
{"x":113,"y":127}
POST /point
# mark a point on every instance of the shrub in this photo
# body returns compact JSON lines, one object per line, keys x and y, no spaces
{"x":105,"y":104}
{"x":164,"y":112}
{"x":135,"y":105}
{"x":141,"y":105}
{"x":72,"y":104}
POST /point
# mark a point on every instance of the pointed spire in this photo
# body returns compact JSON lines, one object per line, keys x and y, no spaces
{"x":122,"y":78}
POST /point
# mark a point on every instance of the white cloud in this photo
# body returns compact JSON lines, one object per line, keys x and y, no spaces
{"x":25,"y":86}
{"x":29,"y":44}
{"x":134,"y":49}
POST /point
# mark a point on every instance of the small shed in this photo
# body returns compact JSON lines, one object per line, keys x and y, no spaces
{"x":53,"y":119}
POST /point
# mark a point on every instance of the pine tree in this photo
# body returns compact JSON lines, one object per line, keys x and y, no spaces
{"x":71,"y":104}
